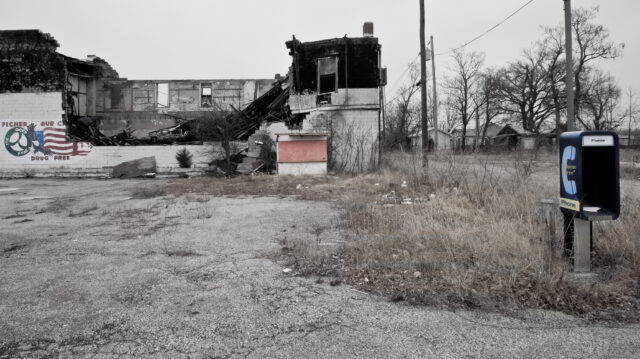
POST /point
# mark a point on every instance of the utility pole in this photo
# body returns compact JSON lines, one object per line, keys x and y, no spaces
{"x":423,"y":88}
{"x":571,"y":121}
{"x":435,"y":95}
{"x":630,"y":110}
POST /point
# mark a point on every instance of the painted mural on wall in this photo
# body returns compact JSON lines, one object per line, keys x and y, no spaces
{"x":40,"y":141}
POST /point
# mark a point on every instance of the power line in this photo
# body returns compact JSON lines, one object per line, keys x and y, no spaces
{"x":404,"y":73}
{"x":488,"y":31}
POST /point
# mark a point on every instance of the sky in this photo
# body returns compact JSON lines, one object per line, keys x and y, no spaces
{"x":224,"y":39}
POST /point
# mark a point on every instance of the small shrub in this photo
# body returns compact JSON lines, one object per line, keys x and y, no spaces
{"x":29,"y":173}
{"x":184,"y":158}
{"x":267,"y":154}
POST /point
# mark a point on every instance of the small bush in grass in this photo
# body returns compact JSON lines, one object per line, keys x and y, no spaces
{"x":184,"y":158}
{"x":267,"y":154}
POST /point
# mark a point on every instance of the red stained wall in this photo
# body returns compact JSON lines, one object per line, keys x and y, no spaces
{"x":302,"y":151}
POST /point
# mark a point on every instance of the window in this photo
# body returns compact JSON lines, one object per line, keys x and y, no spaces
{"x":327,"y":74}
{"x":206,"y":95}
{"x":162,"y":94}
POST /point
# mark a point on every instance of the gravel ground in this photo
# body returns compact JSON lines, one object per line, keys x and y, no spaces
{"x":89,"y":272}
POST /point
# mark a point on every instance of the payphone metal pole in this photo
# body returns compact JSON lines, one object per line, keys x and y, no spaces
{"x":581,"y":245}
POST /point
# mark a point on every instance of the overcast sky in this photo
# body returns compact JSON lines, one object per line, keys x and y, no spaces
{"x":222,"y":39}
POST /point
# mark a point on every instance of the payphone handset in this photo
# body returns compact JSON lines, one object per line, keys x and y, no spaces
{"x":569,"y":154}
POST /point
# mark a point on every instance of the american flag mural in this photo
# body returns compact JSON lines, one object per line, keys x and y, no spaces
{"x":54,"y":139}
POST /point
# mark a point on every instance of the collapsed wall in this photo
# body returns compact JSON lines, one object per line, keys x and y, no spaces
{"x":34,"y":143}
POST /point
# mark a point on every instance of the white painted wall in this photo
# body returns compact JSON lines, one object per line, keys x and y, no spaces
{"x":31,"y":106}
{"x":367,"y":98}
{"x":529,"y":143}
{"x":303,"y":168}
{"x":444,"y":140}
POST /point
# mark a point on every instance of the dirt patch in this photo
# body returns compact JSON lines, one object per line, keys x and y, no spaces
{"x":181,"y":253}
{"x":13,"y":216}
{"x":146,"y":192}
{"x":261,"y":185}
{"x":84,"y":211}
{"x":26,"y":220}
{"x":14,"y":248}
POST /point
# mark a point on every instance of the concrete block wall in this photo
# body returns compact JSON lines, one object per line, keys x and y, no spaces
{"x":21,"y":153}
{"x":184,"y":95}
{"x":353,"y":133}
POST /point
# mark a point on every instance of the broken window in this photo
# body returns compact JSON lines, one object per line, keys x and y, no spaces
{"x":162,"y":94}
{"x":327,"y":74}
{"x":206,"y":95}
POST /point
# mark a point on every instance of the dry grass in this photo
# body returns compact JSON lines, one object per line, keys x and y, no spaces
{"x":145,"y":192}
{"x":463,"y":233}
{"x":84,"y":211}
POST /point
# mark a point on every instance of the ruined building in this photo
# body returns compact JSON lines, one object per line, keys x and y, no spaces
{"x":337,"y":85}
{"x":58,"y":113}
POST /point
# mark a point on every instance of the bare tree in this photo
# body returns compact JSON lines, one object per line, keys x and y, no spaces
{"x":489,"y":101}
{"x":631,"y":112}
{"x":404,"y":115}
{"x":600,"y":98}
{"x":592,"y":44}
{"x":553,"y":46}
{"x":220,"y":125}
{"x":461,"y":87}
{"x":527,"y":91}
{"x":451,"y":120}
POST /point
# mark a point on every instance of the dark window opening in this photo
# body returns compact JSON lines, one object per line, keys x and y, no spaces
{"x":327,"y":83}
{"x":327,"y":74}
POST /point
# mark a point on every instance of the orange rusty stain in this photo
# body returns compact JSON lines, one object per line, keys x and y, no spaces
{"x":302,"y":151}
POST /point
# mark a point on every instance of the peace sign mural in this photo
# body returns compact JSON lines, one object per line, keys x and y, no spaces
{"x":46,"y":138}
{"x":17,"y":141}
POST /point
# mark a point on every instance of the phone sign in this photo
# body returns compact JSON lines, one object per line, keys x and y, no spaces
{"x":597,"y":141}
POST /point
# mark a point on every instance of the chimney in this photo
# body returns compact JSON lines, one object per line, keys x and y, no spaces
{"x":367,"y":29}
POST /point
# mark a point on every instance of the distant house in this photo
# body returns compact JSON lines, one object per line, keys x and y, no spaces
{"x":502,"y":137}
{"x":624,"y":139}
{"x":443,"y":140}
{"x":513,"y":137}
{"x":470,"y":136}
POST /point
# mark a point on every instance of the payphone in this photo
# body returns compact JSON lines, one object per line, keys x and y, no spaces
{"x":589,"y":187}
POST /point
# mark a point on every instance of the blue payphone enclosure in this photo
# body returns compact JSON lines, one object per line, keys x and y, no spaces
{"x":590,"y":174}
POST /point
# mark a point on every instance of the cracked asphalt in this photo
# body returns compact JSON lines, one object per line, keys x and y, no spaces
{"x":87,"y":272}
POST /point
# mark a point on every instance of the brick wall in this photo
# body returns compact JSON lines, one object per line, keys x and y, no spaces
{"x":26,"y":119}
